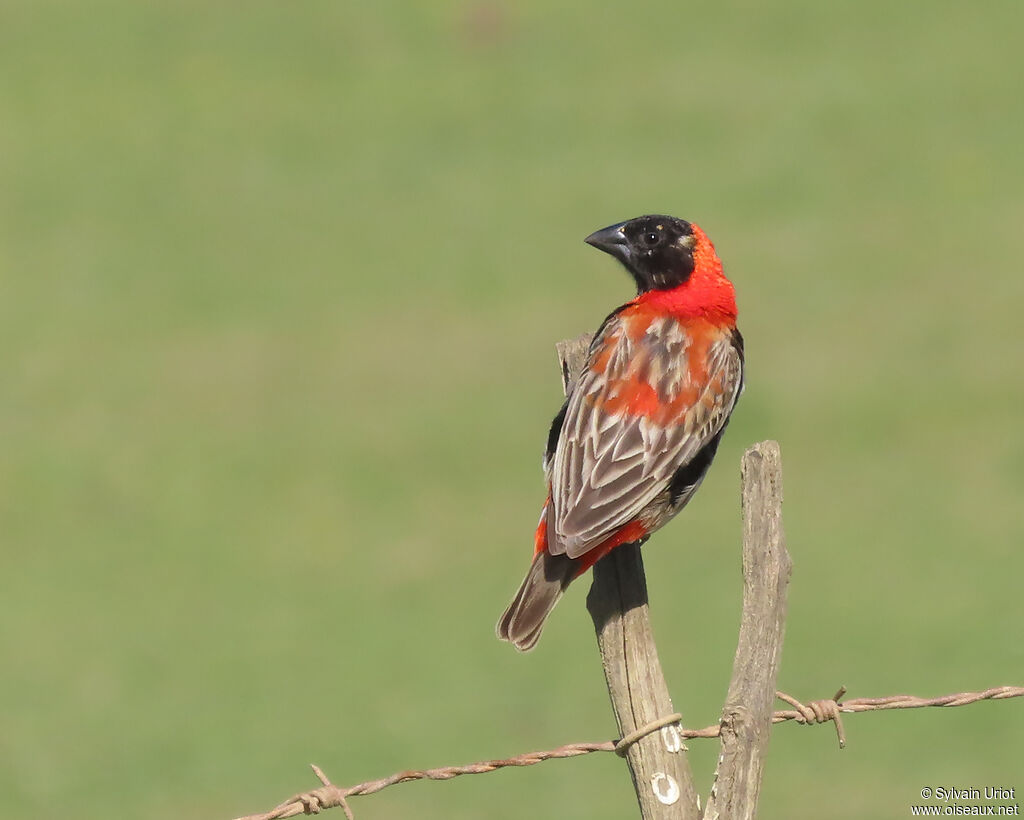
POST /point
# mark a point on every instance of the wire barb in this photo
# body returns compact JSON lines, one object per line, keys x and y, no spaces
{"x":819,"y":711}
{"x":816,"y":711}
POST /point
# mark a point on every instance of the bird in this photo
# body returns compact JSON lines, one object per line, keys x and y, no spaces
{"x":641,"y":425}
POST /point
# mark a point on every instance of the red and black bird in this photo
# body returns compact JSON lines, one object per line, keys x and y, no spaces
{"x":640,"y":427}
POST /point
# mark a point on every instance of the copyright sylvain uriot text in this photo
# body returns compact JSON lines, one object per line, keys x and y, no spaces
{"x":948,"y":793}
{"x":946,"y":801}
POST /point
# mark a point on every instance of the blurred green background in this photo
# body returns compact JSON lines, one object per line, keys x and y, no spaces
{"x":279,"y":288}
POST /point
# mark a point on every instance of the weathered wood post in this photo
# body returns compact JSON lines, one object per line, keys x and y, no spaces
{"x":747,"y":715}
{"x":617,"y":602}
{"x":618,"y":605}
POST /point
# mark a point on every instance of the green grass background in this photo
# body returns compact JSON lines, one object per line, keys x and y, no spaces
{"x":279,"y":287}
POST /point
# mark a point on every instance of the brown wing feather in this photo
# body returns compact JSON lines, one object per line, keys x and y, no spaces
{"x":610,"y":463}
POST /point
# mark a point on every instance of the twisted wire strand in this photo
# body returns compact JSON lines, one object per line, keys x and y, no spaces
{"x":815,"y":711}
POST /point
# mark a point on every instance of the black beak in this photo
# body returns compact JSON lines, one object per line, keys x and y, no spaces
{"x":611,"y":240}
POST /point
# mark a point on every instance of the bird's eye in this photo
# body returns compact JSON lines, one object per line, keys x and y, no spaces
{"x":651,"y":238}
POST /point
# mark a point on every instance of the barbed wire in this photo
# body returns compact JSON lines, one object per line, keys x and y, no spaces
{"x":816,"y":711}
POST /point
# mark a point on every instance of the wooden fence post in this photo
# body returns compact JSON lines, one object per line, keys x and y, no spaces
{"x":657,"y":762}
{"x":747,"y":715}
{"x":636,"y":685}
{"x":617,"y":602}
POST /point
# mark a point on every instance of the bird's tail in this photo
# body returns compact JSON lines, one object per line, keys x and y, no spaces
{"x":544,"y":584}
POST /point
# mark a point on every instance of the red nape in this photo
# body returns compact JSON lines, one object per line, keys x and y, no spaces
{"x":706,"y":293}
